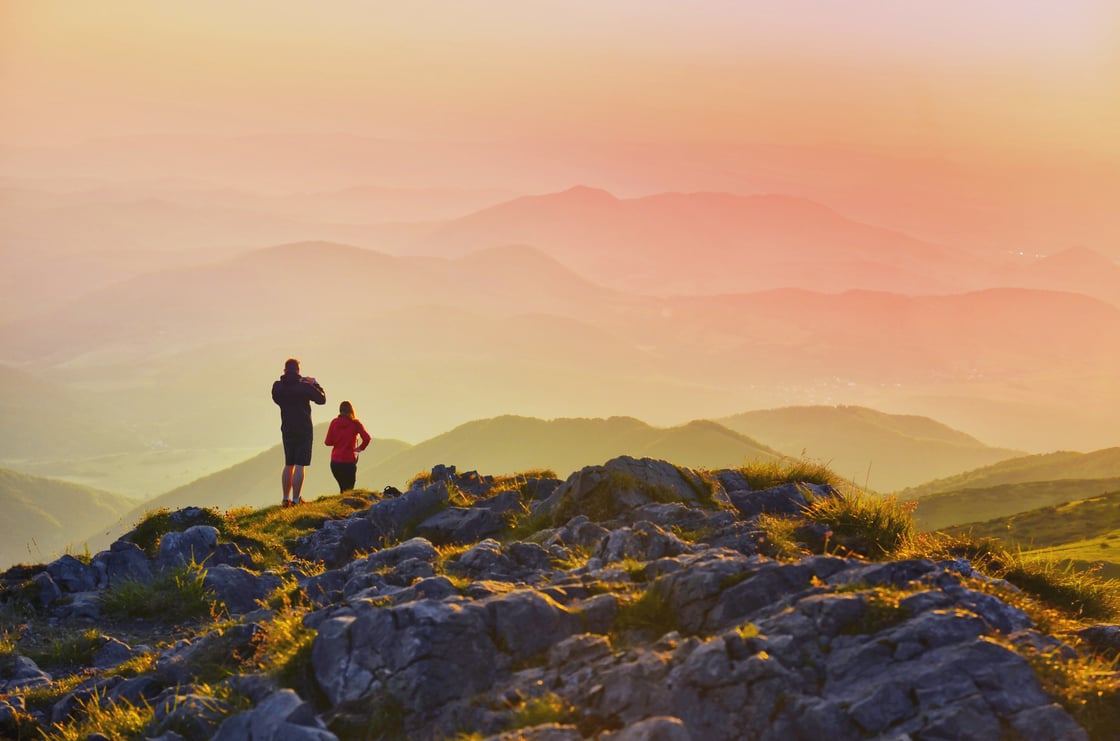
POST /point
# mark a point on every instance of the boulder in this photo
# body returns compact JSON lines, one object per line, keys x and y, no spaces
{"x":71,"y":575}
{"x":282,"y":716}
{"x":124,"y":561}
{"x":461,"y":525}
{"x":178,"y":549}
{"x":239,"y":589}
{"x":623,"y":484}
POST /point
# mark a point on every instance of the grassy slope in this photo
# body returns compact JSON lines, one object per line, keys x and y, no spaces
{"x":885,"y":452}
{"x":1083,"y":530}
{"x":41,"y":514}
{"x":940,"y":511}
{"x":252,"y":483}
{"x":1100,"y":464}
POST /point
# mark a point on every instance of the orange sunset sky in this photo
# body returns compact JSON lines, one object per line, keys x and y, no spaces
{"x":990,"y":79}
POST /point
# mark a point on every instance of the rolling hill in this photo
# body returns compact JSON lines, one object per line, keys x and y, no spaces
{"x":961,"y":506}
{"x":883,"y":452}
{"x":41,"y":515}
{"x":501,"y":444}
{"x":513,"y":443}
{"x":1084,"y":531}
{"x":1013,"y":486}
{"x":1100,"y":464}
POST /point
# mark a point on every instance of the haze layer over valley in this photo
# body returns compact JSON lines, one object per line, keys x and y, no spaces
{"x":665,"y":228}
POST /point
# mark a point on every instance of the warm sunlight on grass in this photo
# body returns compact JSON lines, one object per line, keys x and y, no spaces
{"x":870,"y":526}
{"x":769,"y":473}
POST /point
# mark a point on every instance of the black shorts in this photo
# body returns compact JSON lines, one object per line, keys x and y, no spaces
{"x":344,"y":474}
{"x":297,"y":450}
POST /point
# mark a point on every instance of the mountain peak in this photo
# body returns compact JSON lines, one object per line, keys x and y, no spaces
{"x":587,"y":193}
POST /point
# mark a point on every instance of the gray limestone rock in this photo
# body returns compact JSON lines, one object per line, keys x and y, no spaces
{"x":193,"y":545}
{"x":123,"y":561}
{"x":239,"y":589}
{"x":71,"y":575}
{"x":460,"y":525}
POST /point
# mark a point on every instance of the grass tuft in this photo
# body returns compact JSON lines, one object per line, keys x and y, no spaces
{"x":121,"y":720}
{"x":766,"y":474}
{"x":173,"y":596}
{"x":1087,"y":687}
{"x":779,"y":536}
{"x":284,"y":648}
{"x":864,"y":525}
{"x":649,"y":612}
{"x":1056,"y":592}
{"x":548,"y":708}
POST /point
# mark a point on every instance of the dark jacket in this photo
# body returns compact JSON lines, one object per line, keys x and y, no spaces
{"x":294,"y":393}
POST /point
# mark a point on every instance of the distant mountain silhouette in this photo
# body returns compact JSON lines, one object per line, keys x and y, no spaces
{"x":1078,"y":269}
{"x":707,"y":243}
{"x":514,"y":443}
{"x":41,"y":515}
{"x":885,"y":452}
{"x":524,"y":333}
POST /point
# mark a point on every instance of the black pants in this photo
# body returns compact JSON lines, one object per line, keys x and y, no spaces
{"x":344,"y":474}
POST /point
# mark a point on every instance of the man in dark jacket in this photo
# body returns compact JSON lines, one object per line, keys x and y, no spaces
{"x":294,"y":394}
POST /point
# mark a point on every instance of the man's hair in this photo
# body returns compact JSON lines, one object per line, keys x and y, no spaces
{"x":291,"y":365}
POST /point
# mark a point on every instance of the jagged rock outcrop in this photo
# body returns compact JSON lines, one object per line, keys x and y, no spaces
{"x":646,"y":604}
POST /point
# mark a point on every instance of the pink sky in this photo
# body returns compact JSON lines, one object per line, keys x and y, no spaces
{"x":929,"y":78}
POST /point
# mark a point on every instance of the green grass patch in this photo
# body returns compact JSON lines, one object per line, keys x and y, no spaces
{"x":73,"y":649}
{"x":172,"y":596}
{"x":779,"y":536}
{"x":269,"y":534}
{"x":284,"y":648}
{"x":650,"y":612}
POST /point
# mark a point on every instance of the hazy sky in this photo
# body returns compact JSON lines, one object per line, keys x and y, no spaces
{"x":916,"y":77}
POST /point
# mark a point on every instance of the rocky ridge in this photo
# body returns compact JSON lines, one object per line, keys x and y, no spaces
{"x":635,"y":600}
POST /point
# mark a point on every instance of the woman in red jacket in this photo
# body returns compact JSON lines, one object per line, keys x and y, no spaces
{"x":343,"y":434}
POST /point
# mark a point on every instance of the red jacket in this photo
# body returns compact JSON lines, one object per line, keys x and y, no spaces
{"x":342,"y":434}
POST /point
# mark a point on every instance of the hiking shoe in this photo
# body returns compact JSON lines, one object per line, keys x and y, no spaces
{"x":297,"y":501}
{"x":286,"y":504}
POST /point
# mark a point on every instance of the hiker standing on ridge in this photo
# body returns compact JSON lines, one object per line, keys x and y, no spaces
{"x":294,"y":394}
{"x":343,"y":436}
